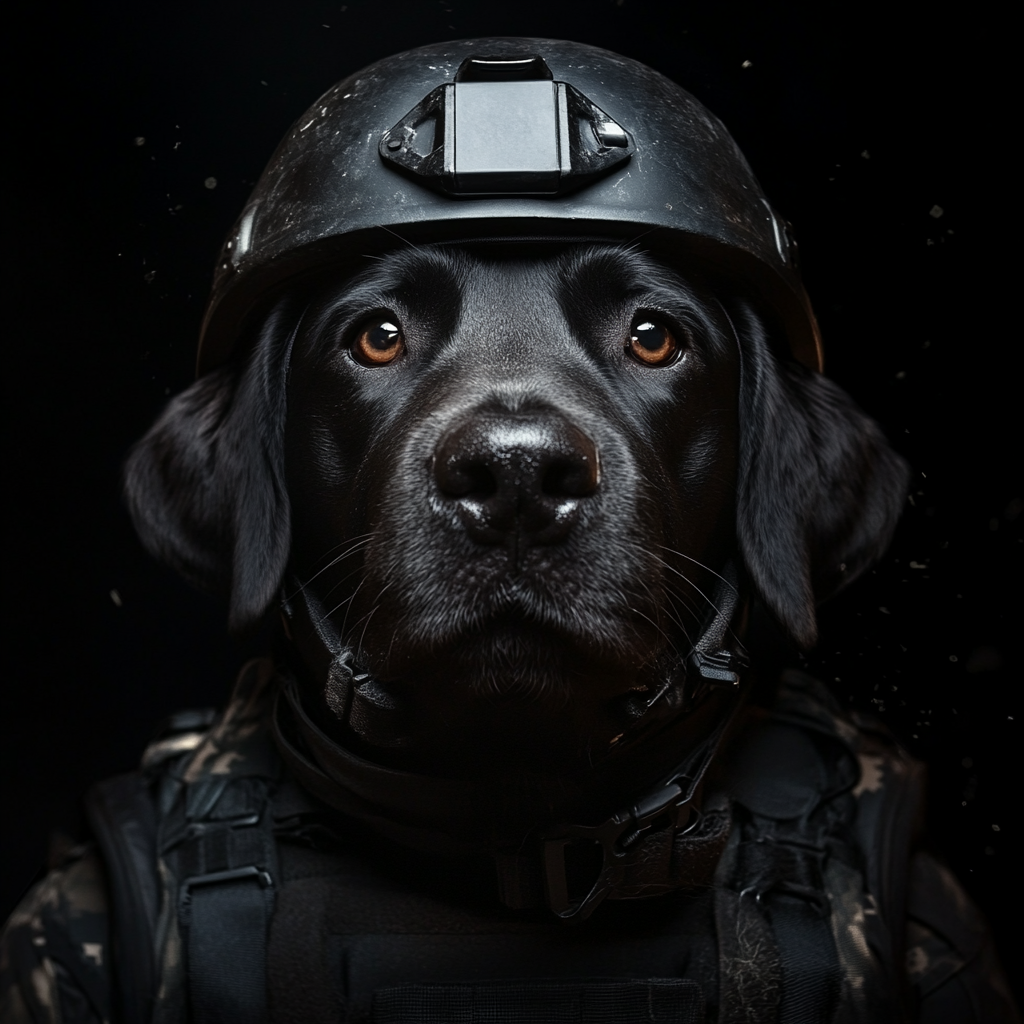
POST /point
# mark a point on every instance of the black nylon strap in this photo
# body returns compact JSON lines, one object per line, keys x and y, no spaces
{"x":634,"y":1001}
{"x":224,"y":854}
{"x":810,"y":963}
{"x":227,"y":949}
{"x":123,"y":821}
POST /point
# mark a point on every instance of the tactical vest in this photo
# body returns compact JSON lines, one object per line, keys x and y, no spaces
{"x":237,"y":897}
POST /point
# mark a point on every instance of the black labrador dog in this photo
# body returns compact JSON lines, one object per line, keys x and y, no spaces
{"x":513,"y":480}
{"x":510,"y":486}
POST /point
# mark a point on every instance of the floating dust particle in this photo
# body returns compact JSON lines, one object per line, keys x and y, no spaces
{"x":116,"y":598}
{"x":210,"y":182}
{"x":936,"y":211}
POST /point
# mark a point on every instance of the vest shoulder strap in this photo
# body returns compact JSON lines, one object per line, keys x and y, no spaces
{"x":123,"y":814}
{"x":826,"y":806}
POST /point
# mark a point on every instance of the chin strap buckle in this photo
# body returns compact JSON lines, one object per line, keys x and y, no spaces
{"x":570,"y":851}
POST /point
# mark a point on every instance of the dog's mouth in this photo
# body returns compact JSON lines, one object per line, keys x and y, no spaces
{"x":519,"y":644}
{"x":509,"y":692}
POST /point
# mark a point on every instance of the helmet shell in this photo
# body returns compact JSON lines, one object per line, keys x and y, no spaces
{"x":327,"y":196}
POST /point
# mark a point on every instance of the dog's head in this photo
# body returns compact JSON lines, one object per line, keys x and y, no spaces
{"x":512,"y":479}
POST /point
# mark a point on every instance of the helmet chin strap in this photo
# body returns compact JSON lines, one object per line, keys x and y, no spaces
{"x":688,"y":714}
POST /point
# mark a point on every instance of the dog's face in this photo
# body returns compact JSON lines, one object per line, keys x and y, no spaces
{"x":506,"y":479}
{"x":511,"y":482}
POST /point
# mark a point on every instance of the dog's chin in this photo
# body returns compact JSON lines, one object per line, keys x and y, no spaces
{"x":508,"y":696}
{"x":512,"y":660}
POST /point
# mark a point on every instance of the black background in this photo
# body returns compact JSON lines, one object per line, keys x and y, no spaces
{"x":884,"y":137}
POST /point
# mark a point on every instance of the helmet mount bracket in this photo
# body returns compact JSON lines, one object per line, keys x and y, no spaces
{"x":505,"y":127}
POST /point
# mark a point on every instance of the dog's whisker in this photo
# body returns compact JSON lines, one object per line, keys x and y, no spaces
{"x":370,"y":615}
{"x":344,"y":579}
{"x":341,"y":604}
{"x":350,"y":550}
{"x":707,"y":568}
{"x":303,"y":585}
{"x":412,"y":245}
{"x":687,"y":580}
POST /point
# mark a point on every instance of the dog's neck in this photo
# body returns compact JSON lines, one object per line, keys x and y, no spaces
{"x":439,"y":726}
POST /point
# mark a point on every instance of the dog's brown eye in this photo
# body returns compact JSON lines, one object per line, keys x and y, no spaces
{"x":378,"y":343}
{"x":652,"y":343}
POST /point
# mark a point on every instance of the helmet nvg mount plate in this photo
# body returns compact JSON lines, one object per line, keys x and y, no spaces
{"x":504,"y":127}
{"x":505,"y":138}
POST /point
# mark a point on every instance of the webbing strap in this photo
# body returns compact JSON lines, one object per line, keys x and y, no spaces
{"x":631,"y":1001}
{"x":810,"y":963}
{"x":227,"y":948}
{"x":221,"y":844}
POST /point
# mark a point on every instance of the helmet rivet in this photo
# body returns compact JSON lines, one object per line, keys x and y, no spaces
{"x":394,"y":143}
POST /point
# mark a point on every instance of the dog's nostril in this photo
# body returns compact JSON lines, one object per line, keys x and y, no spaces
{"x":465,"y":478}
{"x":570,"y":478}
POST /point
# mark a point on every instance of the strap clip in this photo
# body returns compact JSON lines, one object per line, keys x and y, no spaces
{"x":668,"y":807}
{"x":217,"y":878}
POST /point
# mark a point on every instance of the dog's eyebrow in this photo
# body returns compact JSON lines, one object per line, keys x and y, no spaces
{"x":599,"y":278}
{"x":426,"y":283}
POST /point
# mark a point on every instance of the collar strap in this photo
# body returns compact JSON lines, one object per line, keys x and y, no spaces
{"x":661,"y":842}
{"x":655,"y":844}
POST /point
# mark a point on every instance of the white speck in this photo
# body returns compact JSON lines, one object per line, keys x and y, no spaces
{"x":995,"y":828}
{"x":936,"y":211}
{"x":866,"y":155}
{"x":94,"y":951}
{"x":746,"y":64}
{"x":668,"y":206}
{"x":918,"y":565}
{"x":210,"y":182}
{"x":305,"y":126}
{"x":953,"y":657}
{"x":346,"y":96}
{"x":262,"y":82}
{"x":901,"y":374}
{"x":884,"y":611}
{"x":116,"y":598}
{"x":140,"y":140}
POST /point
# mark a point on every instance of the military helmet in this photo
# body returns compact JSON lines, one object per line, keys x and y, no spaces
{"x":505,"y":138}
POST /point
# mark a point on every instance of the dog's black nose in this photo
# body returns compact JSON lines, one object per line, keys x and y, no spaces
{"x":517,"y":476}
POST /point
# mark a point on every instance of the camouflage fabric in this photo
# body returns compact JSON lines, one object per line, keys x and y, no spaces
{"x":55,"y":950}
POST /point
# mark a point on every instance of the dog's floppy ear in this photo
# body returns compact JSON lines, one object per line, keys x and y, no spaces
{"x":820,"y":489}
{"x":206,"y":485}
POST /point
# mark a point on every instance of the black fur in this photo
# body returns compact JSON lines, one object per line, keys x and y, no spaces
{"x":296,"y":456}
